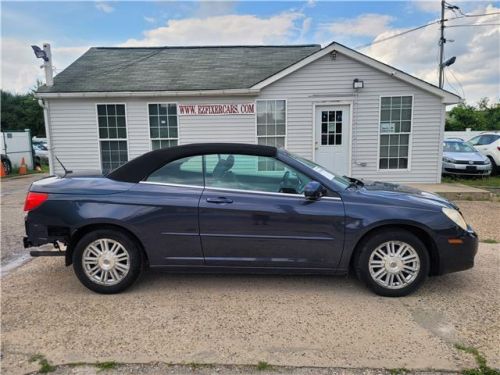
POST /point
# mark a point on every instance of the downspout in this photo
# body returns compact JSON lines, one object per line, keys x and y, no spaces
{"x":45,"y":105}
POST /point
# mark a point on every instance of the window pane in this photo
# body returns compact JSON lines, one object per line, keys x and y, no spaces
{"x":254,"y":173}
{"x":103,"y":133}
{"x":185,"y":171}
{"x":162,"y":109}
{"x":153,"y":109}
{"x":271,"y":122}
{"x":395,"y":117}
{"x":163,"y":125}
{"x":113,"y":154}
{"x":122,"y":133}
{"x":101,"y":110}
{"x":111,"y":109}
{"x":120,"y":109}
{"x":103,"y":121}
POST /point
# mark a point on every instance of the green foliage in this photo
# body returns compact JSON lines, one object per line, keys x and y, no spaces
{"x":109,"y":365}
{"x":398,"y":371}
{"x":21,"y":112}
{"x":45,"y":366}
{"x":483,"y":368}
{"x":489,"y":240}
{"x":261,"y":366}
{"x":482,"y":117}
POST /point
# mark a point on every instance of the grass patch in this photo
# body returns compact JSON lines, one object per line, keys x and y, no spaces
{"x":398,"y":371}
{"x":482,"y":367}
{"x":45,"y":365}
{"x":489,"y":240}
{"x":262,"y":365}
{"x":109,"y":365}
{"x":490,"y":181}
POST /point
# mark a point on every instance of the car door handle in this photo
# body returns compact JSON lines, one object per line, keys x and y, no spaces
{"x":219,"y":200}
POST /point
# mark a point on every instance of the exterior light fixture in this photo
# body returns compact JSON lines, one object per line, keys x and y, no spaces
{"x":450,"y":61}
{"x":40,"y":53}
{"x":357,"y":84}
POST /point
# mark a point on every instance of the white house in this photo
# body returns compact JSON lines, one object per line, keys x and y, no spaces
{"x":348,"y":112}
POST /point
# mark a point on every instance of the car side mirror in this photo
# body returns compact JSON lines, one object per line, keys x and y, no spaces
{"x":313,"y":190}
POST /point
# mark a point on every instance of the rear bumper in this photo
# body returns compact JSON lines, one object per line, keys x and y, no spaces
{"x":457,"y":257}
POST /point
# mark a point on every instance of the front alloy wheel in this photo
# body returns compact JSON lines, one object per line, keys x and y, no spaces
{"x":392,"y":263}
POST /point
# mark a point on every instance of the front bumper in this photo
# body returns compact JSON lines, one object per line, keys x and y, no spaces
{"x":466,"y":169}
{"x":457,"y":257}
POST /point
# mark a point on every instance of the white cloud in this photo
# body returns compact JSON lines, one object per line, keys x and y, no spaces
{"x":429,"y":6}
{"x":476,"y":48}
{"x":149,"y":19}
{"x":224,"y":30}
{"x":369,"y":24}
{"x":104,"y":7}
{"x":20,"y":67}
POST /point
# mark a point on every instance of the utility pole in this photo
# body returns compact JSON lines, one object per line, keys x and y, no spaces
{"x":442,"y":41}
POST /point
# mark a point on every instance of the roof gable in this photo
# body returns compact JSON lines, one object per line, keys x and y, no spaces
{"x":447,"y":97}
{"x":103,"y":69}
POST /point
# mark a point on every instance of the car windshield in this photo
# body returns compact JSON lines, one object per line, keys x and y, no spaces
{"x":321,"y":170}
{"x":458,"y":147}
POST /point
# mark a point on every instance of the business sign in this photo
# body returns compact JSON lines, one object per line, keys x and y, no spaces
{"x":216,"y":109}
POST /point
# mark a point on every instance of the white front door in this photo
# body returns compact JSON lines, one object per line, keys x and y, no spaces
{"x":331,"y":138}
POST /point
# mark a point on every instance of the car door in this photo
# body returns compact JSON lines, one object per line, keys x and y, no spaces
{"x":253,"y":214}
{"x":169,"y":199}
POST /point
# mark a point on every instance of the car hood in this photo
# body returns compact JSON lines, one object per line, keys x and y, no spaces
{"x":464,"y":156}
{"x":406,"y":193}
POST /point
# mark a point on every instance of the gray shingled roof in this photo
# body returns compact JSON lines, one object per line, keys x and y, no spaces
{"x":175,"y":68}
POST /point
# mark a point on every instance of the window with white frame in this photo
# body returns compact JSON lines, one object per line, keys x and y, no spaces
{"x":395,"y":131}
{"x":112,"y":135}
{"x":163,"y":125}
{"x":271,"y":127}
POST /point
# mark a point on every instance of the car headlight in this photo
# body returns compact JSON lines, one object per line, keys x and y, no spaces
{"x":448,"y":160}
{"x":456,"y":217}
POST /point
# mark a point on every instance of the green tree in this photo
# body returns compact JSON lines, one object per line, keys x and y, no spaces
{"x":482,"y":117}
{"x":21,"y":111}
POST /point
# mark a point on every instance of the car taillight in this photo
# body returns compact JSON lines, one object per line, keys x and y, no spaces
{"x":33,"y":200}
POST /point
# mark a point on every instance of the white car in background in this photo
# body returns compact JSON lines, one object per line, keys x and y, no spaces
{"x":488,"y":144}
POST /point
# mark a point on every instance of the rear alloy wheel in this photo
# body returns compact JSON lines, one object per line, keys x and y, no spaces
{"x":107,"y":261}
{"x":393,"y":264}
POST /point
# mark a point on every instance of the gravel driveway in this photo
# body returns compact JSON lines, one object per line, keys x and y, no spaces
{"x":282,"y":320}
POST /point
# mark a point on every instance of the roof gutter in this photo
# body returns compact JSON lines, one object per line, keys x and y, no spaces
{"x":126,"y":94}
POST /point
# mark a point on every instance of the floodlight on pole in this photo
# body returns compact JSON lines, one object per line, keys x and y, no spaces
{"x":450,"y":61}
{"x":40,"y":53}
{"x":46,"y":55}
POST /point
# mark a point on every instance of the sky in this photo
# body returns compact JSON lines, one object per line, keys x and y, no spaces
{"x":71,"y":27}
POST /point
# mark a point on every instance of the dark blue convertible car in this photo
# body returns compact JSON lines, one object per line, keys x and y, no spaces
{"x":244,"y":208}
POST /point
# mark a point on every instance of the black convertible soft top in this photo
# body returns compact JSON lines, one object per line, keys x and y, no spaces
{"x":139,"y":168}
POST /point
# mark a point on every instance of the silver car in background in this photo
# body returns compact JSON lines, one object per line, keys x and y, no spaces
{"x":460,"y":158}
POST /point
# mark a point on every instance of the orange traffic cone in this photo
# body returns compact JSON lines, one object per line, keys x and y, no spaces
{"x":2,"y":171}
{"x":23,"y":169}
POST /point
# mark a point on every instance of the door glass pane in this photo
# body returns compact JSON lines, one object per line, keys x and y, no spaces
{"x":185,"y":171}
{"x":253,"y":173}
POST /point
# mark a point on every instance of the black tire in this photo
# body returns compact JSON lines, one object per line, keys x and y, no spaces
{"x":494,"y":167}
{"x":128,"y":244}
{"x":371,"y":243}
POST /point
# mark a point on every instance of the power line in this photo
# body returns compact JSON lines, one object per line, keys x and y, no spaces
{"x":458,"y":82}
{"x":475,"y":24}
{"x":426,"y":25}
{"x":397,"y":35}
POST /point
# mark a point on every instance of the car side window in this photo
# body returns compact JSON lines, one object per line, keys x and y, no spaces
{"x":474,"y":141}
{"x":487,"y":139}
{"x":185,"y":171}
{"x":253,"y":173}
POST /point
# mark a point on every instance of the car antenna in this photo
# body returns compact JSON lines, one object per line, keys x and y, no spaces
{"x":63,"y":167}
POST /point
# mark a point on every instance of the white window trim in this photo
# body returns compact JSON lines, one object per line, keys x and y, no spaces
{"x":99,"y":139}
{"x":410,"y":138}
{"x":286,"y":121}
{"x":149,"y":125}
